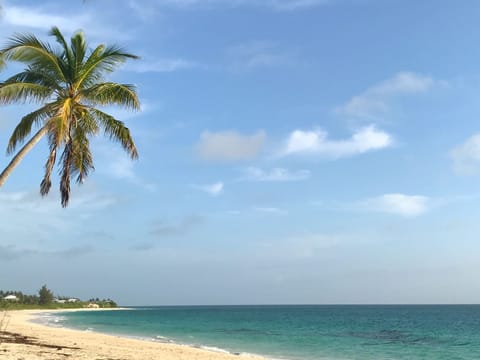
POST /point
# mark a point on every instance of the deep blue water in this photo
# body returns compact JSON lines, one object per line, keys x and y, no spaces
{"x":303,"y":332}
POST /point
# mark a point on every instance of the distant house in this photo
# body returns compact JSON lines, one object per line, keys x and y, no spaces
{"x":72,"y":300}
{"x":59,"y":301}
{"x":11,"y":298}
{"x":93,"y":306}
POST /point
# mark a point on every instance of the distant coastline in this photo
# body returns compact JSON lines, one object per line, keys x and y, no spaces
{"x":46,"y":299}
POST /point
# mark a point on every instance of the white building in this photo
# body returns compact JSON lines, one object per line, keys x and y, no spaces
{"x":11,"y":298}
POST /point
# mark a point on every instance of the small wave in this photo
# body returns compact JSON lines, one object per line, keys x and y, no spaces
{"x":257,"y":356}
{"x":59,"y":319}
{"x":162,"y":339}
{"x":215,"y":349}
{"x":49,"y":319}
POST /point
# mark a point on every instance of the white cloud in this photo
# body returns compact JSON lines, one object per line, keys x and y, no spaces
{"x":44,"y":15}
{"x":466,"y":156}
{"x":226,"y":146}
{"x":375,"y":101}
{"x":399,"y":204}
{"x":161,"y":65}
{"x":276,"y":174}
{"x":38,"y":19}
{"x":214,"y":189}
{"x":316,"y":142}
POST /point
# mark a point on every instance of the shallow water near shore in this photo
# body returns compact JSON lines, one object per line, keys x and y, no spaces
{"x":299,"y":332}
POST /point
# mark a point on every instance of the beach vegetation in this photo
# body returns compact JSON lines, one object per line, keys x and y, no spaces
{"x":45,"y":296}
{"x":68,"y":81}
{"x":46,"y":299}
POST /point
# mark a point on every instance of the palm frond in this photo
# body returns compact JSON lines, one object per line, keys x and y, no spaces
{"x":58,"y":129}
{"x":112,"y":94}
{"x":85,"y":120}
{"x":82,"y":162}
{"x":30,"y":50}
{"x":19,"y":92}
{"x":24,"y":127}
{"x":2,"y":62}
{"x":79,"y":49}
{"x":46,"y":183}
{"x":66,"y":159}
{"x":116,"y":130}
{"x":102,"y":60}
{"x":54,"y":31}
{"x":33,"y":76}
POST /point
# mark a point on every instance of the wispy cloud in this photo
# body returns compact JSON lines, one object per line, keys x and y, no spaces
{"x":277,"y":5}
{"x":375,"y":101}
{"x":256,"y":54}
{"x":121,"y":167}
{"x":161,"y":65}
{"x":214,"y":189}
{"x":32,"y":202}
{"x":162,"y":228}
{"x":143,"y":246}
{"x":466,"y":156}
{"x":145,"y":10}
{"x":270,"y":210}
{"x":399,"y":204}
{"x":117,"y":164}
{"x":229,"y":146}
{"x":12,"y":252}
{"x":316,"y":142}
{"x":75,"y":251}
{"x":299,"y":247}
{"x":290,"y":5}
{"x":45,"y":216}
{"x":274,"y":175}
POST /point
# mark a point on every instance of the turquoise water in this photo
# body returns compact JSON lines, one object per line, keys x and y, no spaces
{"x":302,"y":332}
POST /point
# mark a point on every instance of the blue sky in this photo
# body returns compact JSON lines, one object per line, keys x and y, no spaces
{"x":295,"y":151}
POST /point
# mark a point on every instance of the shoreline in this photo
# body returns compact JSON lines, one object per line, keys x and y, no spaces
{"x":33,"y":339}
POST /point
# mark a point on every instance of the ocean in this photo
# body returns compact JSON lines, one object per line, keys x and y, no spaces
{"x":450,"y":332}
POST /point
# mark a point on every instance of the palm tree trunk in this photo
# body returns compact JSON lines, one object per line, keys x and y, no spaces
{"x":20,"y":155}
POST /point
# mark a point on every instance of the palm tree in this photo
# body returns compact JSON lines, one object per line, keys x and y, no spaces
{"x":68,"y":82}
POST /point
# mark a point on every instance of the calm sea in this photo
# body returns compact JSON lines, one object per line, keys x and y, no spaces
{"x":301,"y":332}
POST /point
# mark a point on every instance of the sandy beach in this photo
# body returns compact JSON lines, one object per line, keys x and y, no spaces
{"x":27,"y":340}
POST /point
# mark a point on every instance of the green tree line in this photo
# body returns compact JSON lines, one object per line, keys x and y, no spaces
{"x":46,"y":298}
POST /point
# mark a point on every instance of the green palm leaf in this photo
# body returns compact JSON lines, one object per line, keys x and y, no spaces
{"x":112,"y":93}
{"x":116,"y":130}
{"x":24,"y":127}
{"x":28,"y":49}
{"x":20,"y":92}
